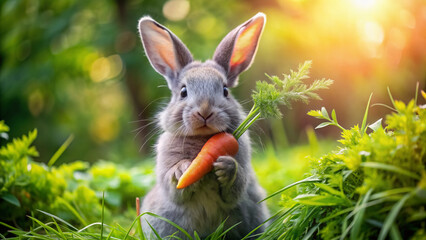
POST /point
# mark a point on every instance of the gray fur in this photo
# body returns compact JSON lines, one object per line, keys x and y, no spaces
{"x":231,"y":190}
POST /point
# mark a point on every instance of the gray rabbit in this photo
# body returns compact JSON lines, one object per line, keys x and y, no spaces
{"x":202,"y":105}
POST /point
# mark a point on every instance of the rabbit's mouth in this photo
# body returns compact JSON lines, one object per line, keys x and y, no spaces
{"x":203,"y":122}
{"x":205,"y":127}
{"x":205,"y":130}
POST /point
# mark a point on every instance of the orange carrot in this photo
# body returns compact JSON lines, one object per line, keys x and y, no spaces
{"x":220,"y":144}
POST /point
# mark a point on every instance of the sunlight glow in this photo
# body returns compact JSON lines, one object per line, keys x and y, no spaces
{"x":373,"y":32}
{"x":364,"y":4}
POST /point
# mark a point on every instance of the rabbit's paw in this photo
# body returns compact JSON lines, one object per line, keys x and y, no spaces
{"x":225,"y":169}
{"x":180,"y":169}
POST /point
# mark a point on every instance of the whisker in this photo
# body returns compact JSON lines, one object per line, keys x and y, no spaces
{"x":176,"y":132}
{"x":142,"y":120}
{"x":149,"y":104}
{"x":152,"y":133}
{"x":140,"y":129}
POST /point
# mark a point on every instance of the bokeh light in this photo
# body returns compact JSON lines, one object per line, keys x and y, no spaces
{"x":176,"y":10}
{"x":105,"y":68}
{"x":104,"y":127}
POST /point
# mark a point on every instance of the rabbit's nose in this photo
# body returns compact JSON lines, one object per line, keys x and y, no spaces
{"x":205,"y":115}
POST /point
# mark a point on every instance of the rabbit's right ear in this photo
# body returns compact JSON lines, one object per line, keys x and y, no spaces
{"x":236,"y":51}
{"x":166,"y":53}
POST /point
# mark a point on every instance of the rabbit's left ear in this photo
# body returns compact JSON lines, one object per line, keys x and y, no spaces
{"x":166,"y":53}
{"x":236,"y":51}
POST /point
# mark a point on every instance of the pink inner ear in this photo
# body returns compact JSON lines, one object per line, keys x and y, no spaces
{"x":167,"y":54}
{"x":161,"y":44}
{"x":246,"y":42}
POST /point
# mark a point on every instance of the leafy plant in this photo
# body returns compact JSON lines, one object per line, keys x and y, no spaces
{"x":372,"y":186}
{"x":72,"y":192}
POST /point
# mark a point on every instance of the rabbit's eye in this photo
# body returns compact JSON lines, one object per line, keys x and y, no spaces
{"x":183,"y":92}
{"x":225,"y":91}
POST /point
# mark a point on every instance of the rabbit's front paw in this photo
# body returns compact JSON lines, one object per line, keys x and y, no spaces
{"x":180,"y":169}
{"x":225,"y":169}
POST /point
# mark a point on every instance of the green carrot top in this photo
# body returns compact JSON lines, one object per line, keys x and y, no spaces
{"x":268,"y":96}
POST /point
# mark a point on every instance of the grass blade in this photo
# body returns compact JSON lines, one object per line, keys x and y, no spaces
{"x":59,"y":219}
{"x":330,"y":189}
{"x":154,"y":231}
{"x":306,"y":180}
{"x":61,"y":150}
{"x":138,"y":212}
{"x":196,"y":236}
{"x":59,"y":228}
{"x":391,"y":192}
{"x":394,"y":233}
{"x":90,"y":225}
{"x":384,"y":105}
{"x":320,"y":200}
{"x":364,"y":120}
{"x":47,"y":228}
{"x":110,"y":234}
{"x":417,"y":93}
{"x":158,"y":217}
{"x":267,"y":220}
{"x":72,"y":210}
{"x":217,"y":232}
{"x":391,"y":98}
{"x":392,"y":216}
{"x":102,"y":214}
{"x":227,"y":230}
{"x":391,"y":168}
{"x":311,"y":231}
{"x":359,"y":216}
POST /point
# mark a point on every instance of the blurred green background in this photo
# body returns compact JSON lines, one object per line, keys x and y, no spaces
{"x":78,"y":67}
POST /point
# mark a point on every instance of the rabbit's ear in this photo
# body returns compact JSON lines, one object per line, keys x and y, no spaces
{"x":236,"y":51}
{"x":167,"y":54}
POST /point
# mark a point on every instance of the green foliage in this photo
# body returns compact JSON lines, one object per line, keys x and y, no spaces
{"x":71,"y":191}
{"x":323,"y":114}
{"x":372,"y":186}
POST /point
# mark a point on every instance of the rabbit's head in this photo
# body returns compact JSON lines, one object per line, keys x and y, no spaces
{"x":201,"y":102}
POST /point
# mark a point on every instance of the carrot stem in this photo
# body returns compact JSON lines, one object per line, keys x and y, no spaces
{"x":253,"y":115}
{"x":246,"y":126}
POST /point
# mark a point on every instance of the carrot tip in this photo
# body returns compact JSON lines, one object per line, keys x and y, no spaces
{"x":180,"y":184}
